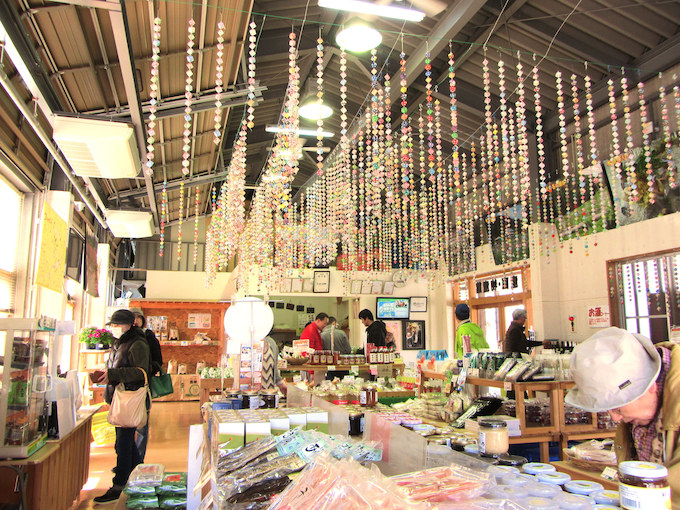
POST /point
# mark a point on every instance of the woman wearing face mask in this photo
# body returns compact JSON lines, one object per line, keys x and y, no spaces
{"x":130,"y":352}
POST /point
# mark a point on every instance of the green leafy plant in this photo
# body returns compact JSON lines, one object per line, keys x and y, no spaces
{"x":93,"y":336}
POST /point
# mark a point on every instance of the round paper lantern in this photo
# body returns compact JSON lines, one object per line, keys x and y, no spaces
{"x":248,"y":319}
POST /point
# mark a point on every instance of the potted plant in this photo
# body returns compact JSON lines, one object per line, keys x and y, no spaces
{"x":96,"y":338}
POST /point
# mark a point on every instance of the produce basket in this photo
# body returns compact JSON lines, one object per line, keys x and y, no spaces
{"x":590,"y":465}
{"x":296,"y":361}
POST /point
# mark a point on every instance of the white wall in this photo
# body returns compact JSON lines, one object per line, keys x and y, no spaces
{"x":583,"y":276}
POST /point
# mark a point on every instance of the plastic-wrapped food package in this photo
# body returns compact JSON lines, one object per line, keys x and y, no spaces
{"x":175,"y":502}
{"x":328,"y":484}
{"x":259,"y":493}
{"x":246,"y":455}
{"x":146,"y":474}
{"x":517,"y":371}
{"x":174,"y":484}
{"x":142,"y":502}
{"x":453,"y":483}
{"x":140,"y":490}
{"x":598,"y":451}
{"x":504,"y":369}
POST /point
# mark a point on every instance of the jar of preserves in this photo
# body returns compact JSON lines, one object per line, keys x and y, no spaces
{"x":268,"y":398}
{"x":493,"y":438}
{"x":644,"y":485}
{"x":315,"y":358}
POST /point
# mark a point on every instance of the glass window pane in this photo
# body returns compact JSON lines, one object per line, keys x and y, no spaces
{"x":631,"y":325}
{"x":644,"y":328}
{"x":641,"y":289}
{"x":488,"y":321}
{"x":628,"y":286}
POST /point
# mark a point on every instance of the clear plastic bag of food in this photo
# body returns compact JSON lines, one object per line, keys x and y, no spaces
{"x":146,"y":474}
{"x":517,"y":371}
{"x":504,"y":369}
{"x":451,"y":483}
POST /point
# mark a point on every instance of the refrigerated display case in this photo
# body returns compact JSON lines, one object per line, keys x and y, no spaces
{"x":24,"y":381}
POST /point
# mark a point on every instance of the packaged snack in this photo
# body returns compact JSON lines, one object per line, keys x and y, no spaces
{"x":146,"y":474}
{"x":517,"y":371}
{"x":173,"y":502}
{"x":504,"y":369}
{"x":142,"y":502}
{"x":140,"y":490}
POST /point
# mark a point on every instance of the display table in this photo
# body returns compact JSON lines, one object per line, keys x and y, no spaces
{"x":53,"y":476}
{"x":579,"y":473}
{"x":209,"y":387}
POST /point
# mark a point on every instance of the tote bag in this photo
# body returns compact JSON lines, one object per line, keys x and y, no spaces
{"x":128,"y":408}
{"x":161,"y":385}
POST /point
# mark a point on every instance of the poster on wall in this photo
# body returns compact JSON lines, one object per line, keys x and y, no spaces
{"x":396,"y":328}
{"x":199,"y":321}
{"x":598,"y":316}
{"x":52,"y":251}
{"x":414,"y":335}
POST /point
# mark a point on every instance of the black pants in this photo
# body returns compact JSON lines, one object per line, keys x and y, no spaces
{"x":127,"y":455}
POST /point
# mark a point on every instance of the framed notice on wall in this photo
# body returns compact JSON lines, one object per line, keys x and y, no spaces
{"x":199,"y":321}
{"x":322,"y":281}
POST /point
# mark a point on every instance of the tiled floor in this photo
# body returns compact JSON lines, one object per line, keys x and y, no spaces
{"x":168,"y":445}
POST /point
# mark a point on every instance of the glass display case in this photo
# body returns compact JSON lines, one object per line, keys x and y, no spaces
{"x":24,"y":381}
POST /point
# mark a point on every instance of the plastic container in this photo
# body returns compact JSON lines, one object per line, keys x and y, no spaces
{"x":536,"y":503}
{"x":606,"y":507}
{"x":514,"y":480}
{"x":572,"y":502}
{"x":644,"y":485}
{"x":544,"y":490}
{"x":534,"y":468}
{"x":511,"y":460}
{"x":554,"y":478}
{"x":471,"y":448}
{"x":509,"y":492}
{"x":605,"y":497}
{"x":583,"y":487}
{"x":510,"y":469}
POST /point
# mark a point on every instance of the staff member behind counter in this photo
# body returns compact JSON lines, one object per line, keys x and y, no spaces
{"x":639,"y":384}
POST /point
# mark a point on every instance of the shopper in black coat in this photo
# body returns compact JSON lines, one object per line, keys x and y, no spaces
{"x":515,"y":339}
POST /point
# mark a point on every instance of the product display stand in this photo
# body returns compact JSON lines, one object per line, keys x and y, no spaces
{"x":394,"y":368}
{"x":212,"y":387}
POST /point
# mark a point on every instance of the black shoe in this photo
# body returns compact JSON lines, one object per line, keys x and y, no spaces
{"x":110,"y":495}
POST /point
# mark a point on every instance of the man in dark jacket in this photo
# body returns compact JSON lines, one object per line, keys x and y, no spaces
{"x":375,"y":330}
{"x":515,"y":340}
{"x":156,"y":363}
{"x":129,"y":353}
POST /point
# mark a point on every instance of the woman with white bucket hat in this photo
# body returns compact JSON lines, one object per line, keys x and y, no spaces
{"x":639,"y":384}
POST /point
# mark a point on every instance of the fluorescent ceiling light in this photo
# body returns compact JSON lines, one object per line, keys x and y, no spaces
{"x":299,"y":132}
{"x":311,"y":148}
{"x":315,"y":111}
{"x":130,"y":224}
{"x":385,"y":11}
{"x":358,"y":38}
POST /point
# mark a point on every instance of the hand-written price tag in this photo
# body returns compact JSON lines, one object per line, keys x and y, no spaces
{"x":331,"y":367}
{"x":507,"y":386}
{"x":354,"y":369}
{"x":374,"y":369}
{"x":610,"y":473}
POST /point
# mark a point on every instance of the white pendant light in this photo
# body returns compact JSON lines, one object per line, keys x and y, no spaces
{"x":385,"y":11}
{"x":358,"y":38}
{"x":313,"y":110}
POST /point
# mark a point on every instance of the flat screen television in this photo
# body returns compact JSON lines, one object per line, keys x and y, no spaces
{"x":392,"y":307}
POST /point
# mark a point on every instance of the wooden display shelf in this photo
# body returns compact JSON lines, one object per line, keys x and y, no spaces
{"x":558,"y":430}
{"x":343,"y":368}
{"x":188,"y":343}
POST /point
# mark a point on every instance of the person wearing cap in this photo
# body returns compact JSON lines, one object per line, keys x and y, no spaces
{"x":638,"y":383}
{"x":129,"y":353}
{"x":156,"y":364}
{"x":467,"y":328}
{"x":515,"y":339}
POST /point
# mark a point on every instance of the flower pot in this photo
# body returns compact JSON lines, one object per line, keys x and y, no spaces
{"x":99,"y":346}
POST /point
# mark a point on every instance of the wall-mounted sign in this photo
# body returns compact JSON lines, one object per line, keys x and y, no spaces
{"x":598,"y":316}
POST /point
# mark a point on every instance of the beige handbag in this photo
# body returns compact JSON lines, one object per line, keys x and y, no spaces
{"x":128,"y":408}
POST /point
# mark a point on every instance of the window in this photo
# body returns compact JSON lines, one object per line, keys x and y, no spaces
{"x":10,"y":211}
{"x":649,"y":295}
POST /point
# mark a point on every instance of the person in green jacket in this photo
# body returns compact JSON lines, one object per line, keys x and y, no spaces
{"x":466,"y":327}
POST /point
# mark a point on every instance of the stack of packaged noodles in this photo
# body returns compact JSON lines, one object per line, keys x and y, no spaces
{"x":247,"y":478}
{"x":150,"y":487}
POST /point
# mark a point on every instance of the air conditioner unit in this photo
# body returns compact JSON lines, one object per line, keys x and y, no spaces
{"x":98,"y":148}
{"x":130,"y":224}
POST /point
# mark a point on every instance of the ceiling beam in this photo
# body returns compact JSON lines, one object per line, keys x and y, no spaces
{"x":109,"y":5}
{"x":453,"y":21}
{"x":120,"y":27}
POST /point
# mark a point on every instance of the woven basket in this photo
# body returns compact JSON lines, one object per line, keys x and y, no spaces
{"x":590,"y":465}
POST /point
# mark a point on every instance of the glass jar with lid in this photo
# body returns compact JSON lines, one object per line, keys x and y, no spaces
{"x":493,"y":437}
{"x":644,"y":485}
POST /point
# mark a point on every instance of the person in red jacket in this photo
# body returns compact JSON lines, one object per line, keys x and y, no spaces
{"x":313,"y":331}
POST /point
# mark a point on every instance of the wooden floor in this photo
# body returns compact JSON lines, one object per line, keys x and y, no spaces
{"x":168,"y":445}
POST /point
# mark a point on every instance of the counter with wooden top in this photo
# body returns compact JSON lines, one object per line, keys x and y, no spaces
{"x":53,"y":476}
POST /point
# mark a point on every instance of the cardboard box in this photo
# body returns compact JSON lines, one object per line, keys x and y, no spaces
{"x":228,"y":431}
{"x":280,"y":423}
{"x":256,"y":429}
{"x":317,"y":419}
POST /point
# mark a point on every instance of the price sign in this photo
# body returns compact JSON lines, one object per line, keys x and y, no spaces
{"x":331,"y":367}
{"x":507,"y":386}
{"x":354,"y":369}
{"x":373,"y":369}
{"x":610,"y":473}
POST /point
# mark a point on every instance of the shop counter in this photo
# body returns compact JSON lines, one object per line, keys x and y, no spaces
{"x":53,"y":476}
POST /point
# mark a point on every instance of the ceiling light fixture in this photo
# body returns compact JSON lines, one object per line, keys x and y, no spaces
{"x":385,"y":11}
{"x":358,"y":38}
{"x":300,"y":132}
{"x":313,"y":110}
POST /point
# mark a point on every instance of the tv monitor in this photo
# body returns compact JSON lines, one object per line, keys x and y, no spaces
{"x":392,"y":307}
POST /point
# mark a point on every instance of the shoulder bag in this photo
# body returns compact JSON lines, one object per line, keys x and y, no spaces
{"x":128,"y":407}
{"x":161,"y":385}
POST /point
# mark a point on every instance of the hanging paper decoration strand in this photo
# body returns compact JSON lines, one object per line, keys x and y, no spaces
{"x":219,"y":70}
{"x":542,"y":194}
{"x":153,"y":95}
{"x":596,"y":176}
{"x":645,"y":144}
{"x":186,"y":147}
{"x":164,"y":215}
{"x":527,"y":209}
{"x":197,"y":204}
{"x":667,"y":138}
{"x":563,"y":230}
{"x":631,"y":187}
{"x":578,"y":139}
{"x":616,"y":157}
{"x":319,"y":100}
